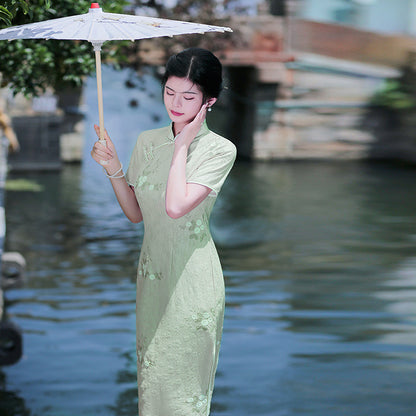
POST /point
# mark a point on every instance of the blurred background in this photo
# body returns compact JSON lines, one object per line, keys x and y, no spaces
{"x":315,"y":225}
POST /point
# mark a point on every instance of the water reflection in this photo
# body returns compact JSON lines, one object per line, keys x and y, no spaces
{"x":320,"y":273}
{"x":317,"y":286}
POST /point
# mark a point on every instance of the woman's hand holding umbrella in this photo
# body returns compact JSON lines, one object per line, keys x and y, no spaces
{"x":106,"y":155}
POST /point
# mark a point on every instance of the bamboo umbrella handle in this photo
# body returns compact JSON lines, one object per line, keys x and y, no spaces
{"x":97,"y":50}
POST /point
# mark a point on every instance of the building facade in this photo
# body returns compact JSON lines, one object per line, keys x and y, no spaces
{"x":384,"y":16}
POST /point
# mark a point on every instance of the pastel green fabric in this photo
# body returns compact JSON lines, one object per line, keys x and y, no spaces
{"x":180,"y":285}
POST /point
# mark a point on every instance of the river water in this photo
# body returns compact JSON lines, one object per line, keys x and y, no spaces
{"x":320,"y":269}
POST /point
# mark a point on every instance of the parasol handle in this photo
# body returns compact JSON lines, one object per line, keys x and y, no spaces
{"x":97,"y":51}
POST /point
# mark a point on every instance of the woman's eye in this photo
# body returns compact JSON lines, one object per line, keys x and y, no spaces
{"x":189,"y":99}
{"x":169,"y":93}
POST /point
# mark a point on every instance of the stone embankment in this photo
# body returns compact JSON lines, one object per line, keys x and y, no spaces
{"x":49,"y":129}
{"x":324,"y":116}
{"x":287,"y":104}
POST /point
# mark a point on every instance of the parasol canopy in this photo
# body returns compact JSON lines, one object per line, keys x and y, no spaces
{"x":97,"y":27}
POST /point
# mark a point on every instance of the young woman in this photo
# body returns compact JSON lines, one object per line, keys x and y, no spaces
{"x":173,"y":179}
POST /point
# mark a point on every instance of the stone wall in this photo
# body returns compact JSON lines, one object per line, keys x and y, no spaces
{"x":50,"y":129}
{"x":348,"y":43}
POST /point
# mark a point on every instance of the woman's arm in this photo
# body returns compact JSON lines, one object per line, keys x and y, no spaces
{"x":124,"y":193}
{"x":183,"y":197}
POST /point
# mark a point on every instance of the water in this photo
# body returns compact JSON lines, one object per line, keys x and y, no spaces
{"x":320,"y":269}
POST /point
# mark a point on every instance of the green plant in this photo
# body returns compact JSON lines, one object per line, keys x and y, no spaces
{"x":394,"y":95}
{"x":31,"y":66}
{"x":9,"y":8}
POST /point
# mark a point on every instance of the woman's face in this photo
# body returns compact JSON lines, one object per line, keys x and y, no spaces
{"x":183,"y":100}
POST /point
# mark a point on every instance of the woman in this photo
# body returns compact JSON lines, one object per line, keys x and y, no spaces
{"x":174,"y":176}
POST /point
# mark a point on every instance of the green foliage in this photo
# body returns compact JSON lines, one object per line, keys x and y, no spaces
{"x":31,"y":66}
{"x":9,"y":9}
{"x":5,"y":16}
{"x":395,"y":95}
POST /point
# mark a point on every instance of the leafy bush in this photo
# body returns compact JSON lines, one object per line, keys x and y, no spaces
{"x":30,"y":66}
{"x":394,"y":95}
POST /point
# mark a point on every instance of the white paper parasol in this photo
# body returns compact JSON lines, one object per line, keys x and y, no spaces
{"x":97,"y":27}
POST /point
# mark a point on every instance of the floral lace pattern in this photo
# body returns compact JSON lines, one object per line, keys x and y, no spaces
{"x":146,"y":271}
{"x":199,"y":403}
{"x":143,"y":182}
{"x":204,"y":320}
{"x":148,"y":151}
{"x":141,"y":359}
{"x":197,"y":229}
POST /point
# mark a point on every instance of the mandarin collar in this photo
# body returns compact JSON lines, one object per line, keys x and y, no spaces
{"x":202,"y":132}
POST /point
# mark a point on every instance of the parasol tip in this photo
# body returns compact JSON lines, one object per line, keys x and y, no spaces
{"x":95,"y":6}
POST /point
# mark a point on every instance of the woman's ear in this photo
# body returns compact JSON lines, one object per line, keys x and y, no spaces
{"x":211,"y":101}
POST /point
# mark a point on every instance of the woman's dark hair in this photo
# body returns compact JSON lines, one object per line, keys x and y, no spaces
{"x":198,"y":65}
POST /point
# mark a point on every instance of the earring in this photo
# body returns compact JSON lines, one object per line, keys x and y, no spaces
{"x":209,"y":109}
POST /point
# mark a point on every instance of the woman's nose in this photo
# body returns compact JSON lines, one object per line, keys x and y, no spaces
{"x":177,"y":102}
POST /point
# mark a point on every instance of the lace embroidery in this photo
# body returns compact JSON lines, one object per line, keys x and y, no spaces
{"x":146,"y":270}
{"x":199,"y":403}
{"x":143,"y":182}
{"x":204,"y":320}
{"x":148,"y":152}
{"x":207,"y":319}
{"x":144,"y":362}
{"x":197,"y":229}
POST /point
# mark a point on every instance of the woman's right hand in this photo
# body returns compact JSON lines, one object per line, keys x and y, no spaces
{"x":106,"y":156}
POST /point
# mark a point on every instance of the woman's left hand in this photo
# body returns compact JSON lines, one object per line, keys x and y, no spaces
{"x":190,"y":131}
{"x":181,"y":197}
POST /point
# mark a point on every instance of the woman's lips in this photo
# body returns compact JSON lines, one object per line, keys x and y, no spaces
{"x":176,"y":114}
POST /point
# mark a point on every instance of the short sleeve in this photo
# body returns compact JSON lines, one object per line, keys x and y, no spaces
{"x":134,"y":164}
{"x":215,"y":167}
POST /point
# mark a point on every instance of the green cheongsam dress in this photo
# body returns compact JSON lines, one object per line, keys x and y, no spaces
{"x":180,"y":286}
